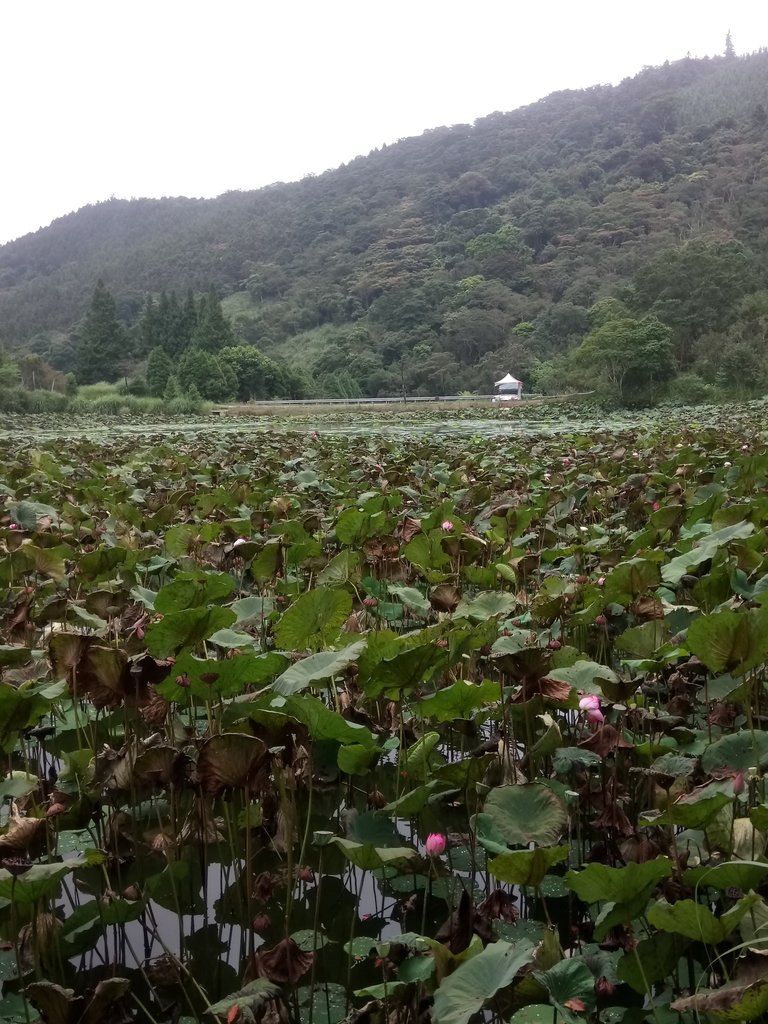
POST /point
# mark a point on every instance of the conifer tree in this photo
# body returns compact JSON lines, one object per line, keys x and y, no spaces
{"x":214,"y":330}
{"x":729,"y":47}
{"x":101,"y":347}
{"x":159,"y":370}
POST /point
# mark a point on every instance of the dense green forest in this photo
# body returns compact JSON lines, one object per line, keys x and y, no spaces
{"x":615,"y":236}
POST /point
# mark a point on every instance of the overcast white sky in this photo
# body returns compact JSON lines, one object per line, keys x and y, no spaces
{"x":196,"y":97}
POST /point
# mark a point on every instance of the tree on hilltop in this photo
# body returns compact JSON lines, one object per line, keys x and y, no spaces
{"x":102,"y":341}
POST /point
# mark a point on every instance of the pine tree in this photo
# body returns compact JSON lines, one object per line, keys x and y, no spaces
{"x":214,"y":330}
{"x":172,"y":389}
{"x":159,"y":370}
{"x":101,"y":347}
{"x":729,"y":48}
{"x":148,"y":326}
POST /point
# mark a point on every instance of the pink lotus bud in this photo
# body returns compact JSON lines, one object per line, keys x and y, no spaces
{"x":656,"y":506}
{"x":446,"y":525}
{"x":370,"y":602}
{"x":13,"y":526}
{"x":601,"y":581}
{"x":239,"y":541}
{"x":435,"y":844}
{"x":590,"y":705}
{"x":547,"y":477}
{"x":738,"y":783}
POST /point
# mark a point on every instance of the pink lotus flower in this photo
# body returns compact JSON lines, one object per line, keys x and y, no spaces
{"x":435,"y":844}
{"x":446,"y":525}
{"x":566,"y":461}
{"x":590,"y":705}
{"x":239,"y":541}
{"x":547,"y":477}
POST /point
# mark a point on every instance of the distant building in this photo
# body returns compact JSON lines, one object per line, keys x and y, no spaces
{"x":508,"y":388}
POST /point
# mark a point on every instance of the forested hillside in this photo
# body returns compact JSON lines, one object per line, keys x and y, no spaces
{"x":617,"y":234}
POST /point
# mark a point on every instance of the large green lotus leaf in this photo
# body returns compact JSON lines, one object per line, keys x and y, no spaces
{"x":374,"y":828}
{"x":405,"y":670}
{"x":14,"y":1009}
{"x":46,"y":561}
{"x":19,"y":709}
{"x":101,"y":563}
{"x":229,"y":760}
{"x":695,"y":921}
{"x":630,"y":579}
{"x":586,"y":676}
{"x":39,"y":882}
{"x":18,"y":784}
{"x":415,"y":800}
{"x":342,"y":569}
{"x":368,"y":857}
{"x":726,"y":875}
{"x":230,"y":639}
{"x":569,"y":759}
{"x":353,"y":527}
{"x":417,"y":759}
{"x":426,"y":551}
{"x":599,"y":883}
{"x":464,"y":992}
{"x":706,"y":547}
{"x":208,"y":679}
{"x":643,"y":641}
{"x":526,"y":867}
{"x":29,"y":513}
{"x":548,"y":742}
{"x":253,"y":996}
{"x":192,"y":590}
{"x":729,"y":640}
{"x":674,"y":764}
{"x":179,"y":539}
{"x":313,"y":620}
{"x":185,"y":629}
{"x":567,"y":982}
{"x":326,"y":1004}
{"x":355,"y":759}
{"x":651,"y":961}
{"x":529,"y":813}
{"x":12,"y":656}
{"x":252,"y":611}
{"x":614,"y":914}
{"x":459,"y":700}
{"x":317,"y":667}
{"x":323,"y":723}
{"x":266,"y":564}
{"x":693,"y":810}
{"x":740,"y":750}
{"x":144,"y":596}
{"x":413,"y":600}
{"x":753,"y":927}
{"x":487,"y":605}
{"x":536,"y":1013}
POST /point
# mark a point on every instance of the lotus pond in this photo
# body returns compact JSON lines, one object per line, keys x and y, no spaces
{"x":450,"y":724}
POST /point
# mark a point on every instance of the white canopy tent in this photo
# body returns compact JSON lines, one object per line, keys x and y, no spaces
{"x":507,"y":388}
